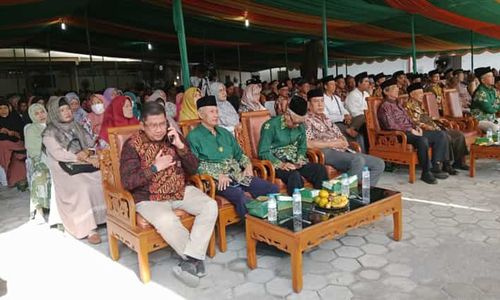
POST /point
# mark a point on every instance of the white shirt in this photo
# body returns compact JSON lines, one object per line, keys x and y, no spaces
{"x":334,"y":108}
{"x":356,"y":102}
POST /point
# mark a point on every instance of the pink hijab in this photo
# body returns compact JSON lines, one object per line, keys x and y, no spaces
{"x":95,"y":119}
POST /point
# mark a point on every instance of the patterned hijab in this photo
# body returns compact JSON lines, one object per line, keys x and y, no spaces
{"x":188,"y":109}
{"x":251,"y":97}
{"x":80,"y":113}
{"x":65,"y":133}
{"x":228,"y":117}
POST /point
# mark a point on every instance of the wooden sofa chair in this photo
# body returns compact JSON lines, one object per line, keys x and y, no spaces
{"x":227,"y":212}
{"x":123,"y":222}
{"x":452,"y":110}
{"x":391,"y":146}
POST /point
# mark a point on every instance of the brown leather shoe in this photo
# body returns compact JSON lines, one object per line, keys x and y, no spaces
{"x":94,"y":238}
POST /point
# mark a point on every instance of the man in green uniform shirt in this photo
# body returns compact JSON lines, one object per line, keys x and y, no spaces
{"x":221,"y":157}
{"x":485,"y":101}
{"x":283,"y":141}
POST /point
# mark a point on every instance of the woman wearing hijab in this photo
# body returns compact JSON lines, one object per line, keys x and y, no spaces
{"x":228,"y":117}
{"x":12,"y":151}
{"x":79,"y":197}
{"x":41,"y":193}
{"x":136,"y":105}
{"x":188,"y":107}
{"x":178,"y":102}
{"x":170,"y":108}
{"x":79,"y":114}
{"x":109,"y":94}
{"x":97,"y":114}
{"x":118,"y":114}
{"x":250,"y":101}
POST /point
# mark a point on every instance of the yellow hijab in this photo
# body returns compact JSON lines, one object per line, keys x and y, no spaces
{"x":188,"y":107}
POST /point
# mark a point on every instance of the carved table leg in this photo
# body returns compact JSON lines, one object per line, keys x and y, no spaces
{"x":251,"y":247}
{"x":472,"y":166}
{"x":296,"y":258}
{"x":398,"y":224}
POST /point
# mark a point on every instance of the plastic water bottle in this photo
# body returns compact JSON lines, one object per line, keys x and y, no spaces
{"x":489,"y":135}
{"x":498,"y":136}
{"x":272,"y":210}
{"x":366,"y":185}
{"x":345,"y":185}
{"x":297,"y":203}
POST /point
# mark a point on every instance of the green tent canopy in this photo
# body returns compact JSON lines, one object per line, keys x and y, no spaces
{"x":358,"y":31}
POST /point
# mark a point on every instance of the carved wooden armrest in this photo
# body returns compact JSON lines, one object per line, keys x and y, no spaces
{"x":315,"y":155}
{"x":464,"y":123}
{"x":120,"y":204}
{"x":205,"y":183}
{"x":312,"y":155}
{"x":392,"y":138}
{"x":259,"y":169}
{"x":355,"y":146}
{"x":270,"y":171}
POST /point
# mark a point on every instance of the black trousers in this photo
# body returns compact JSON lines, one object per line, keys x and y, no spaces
{"x":437,"y":140}
{"x":314,"y":173}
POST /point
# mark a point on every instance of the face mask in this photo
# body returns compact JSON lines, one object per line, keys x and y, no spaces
{"x":98,"y":108}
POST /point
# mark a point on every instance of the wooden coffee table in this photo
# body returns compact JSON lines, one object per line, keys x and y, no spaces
{"x":477,"y":151}
{"x":319,"y":227}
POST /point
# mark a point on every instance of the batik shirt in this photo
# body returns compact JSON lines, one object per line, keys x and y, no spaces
{"x":437,"y":90}
{"x":485,"y":104}
{"x":392,"y":116}
{"x":320,"y":128}
{"x":278,"y":143}
{"x":218,"y":154}
{"x":415,"y":110}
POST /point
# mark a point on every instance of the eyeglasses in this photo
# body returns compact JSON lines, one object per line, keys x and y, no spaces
{"x":162,"y":125}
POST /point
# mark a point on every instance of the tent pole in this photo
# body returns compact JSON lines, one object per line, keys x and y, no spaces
{"x":89,"y":49}
{"x":25,"y":69}
{"x":181,"y":36}
{"x":116,"y":75}
{"x":52,"y":77}
{"x":346,"y":67}
{"x":239,"y":62}
{"x":286,"y":58}
{"x":325,"y":42}
{"x":336,"y":68}
{"x":413,"y":45}
{"x":15,"y":63}
{"x":270,"y":74}
{"x":472,"y":50}
{"x":104,"y":73}
{"x":77,"y":84}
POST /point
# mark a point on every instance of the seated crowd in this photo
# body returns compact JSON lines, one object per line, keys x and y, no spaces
{"x":43,"y":139}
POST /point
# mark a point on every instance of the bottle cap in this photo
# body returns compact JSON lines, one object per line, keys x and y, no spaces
{"x":296,"y":190}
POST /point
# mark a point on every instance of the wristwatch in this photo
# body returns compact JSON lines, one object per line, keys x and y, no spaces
{"x":153,"y":169}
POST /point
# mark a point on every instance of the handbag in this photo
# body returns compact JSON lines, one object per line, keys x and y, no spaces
{"x":73,"y":168}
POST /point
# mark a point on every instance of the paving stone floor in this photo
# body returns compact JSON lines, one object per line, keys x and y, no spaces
{"x":450,"y":250}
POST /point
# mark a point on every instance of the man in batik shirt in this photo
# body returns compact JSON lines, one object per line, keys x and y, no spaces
{"x":456,"y":139}
{"x":283,"y":142}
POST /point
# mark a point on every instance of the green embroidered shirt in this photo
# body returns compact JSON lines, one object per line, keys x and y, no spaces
{"x":218,"y":154}
{"x":485,"y":103}
{"x":278,"y":143}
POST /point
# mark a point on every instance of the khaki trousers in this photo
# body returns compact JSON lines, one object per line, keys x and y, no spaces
{"x":162,"y":216}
